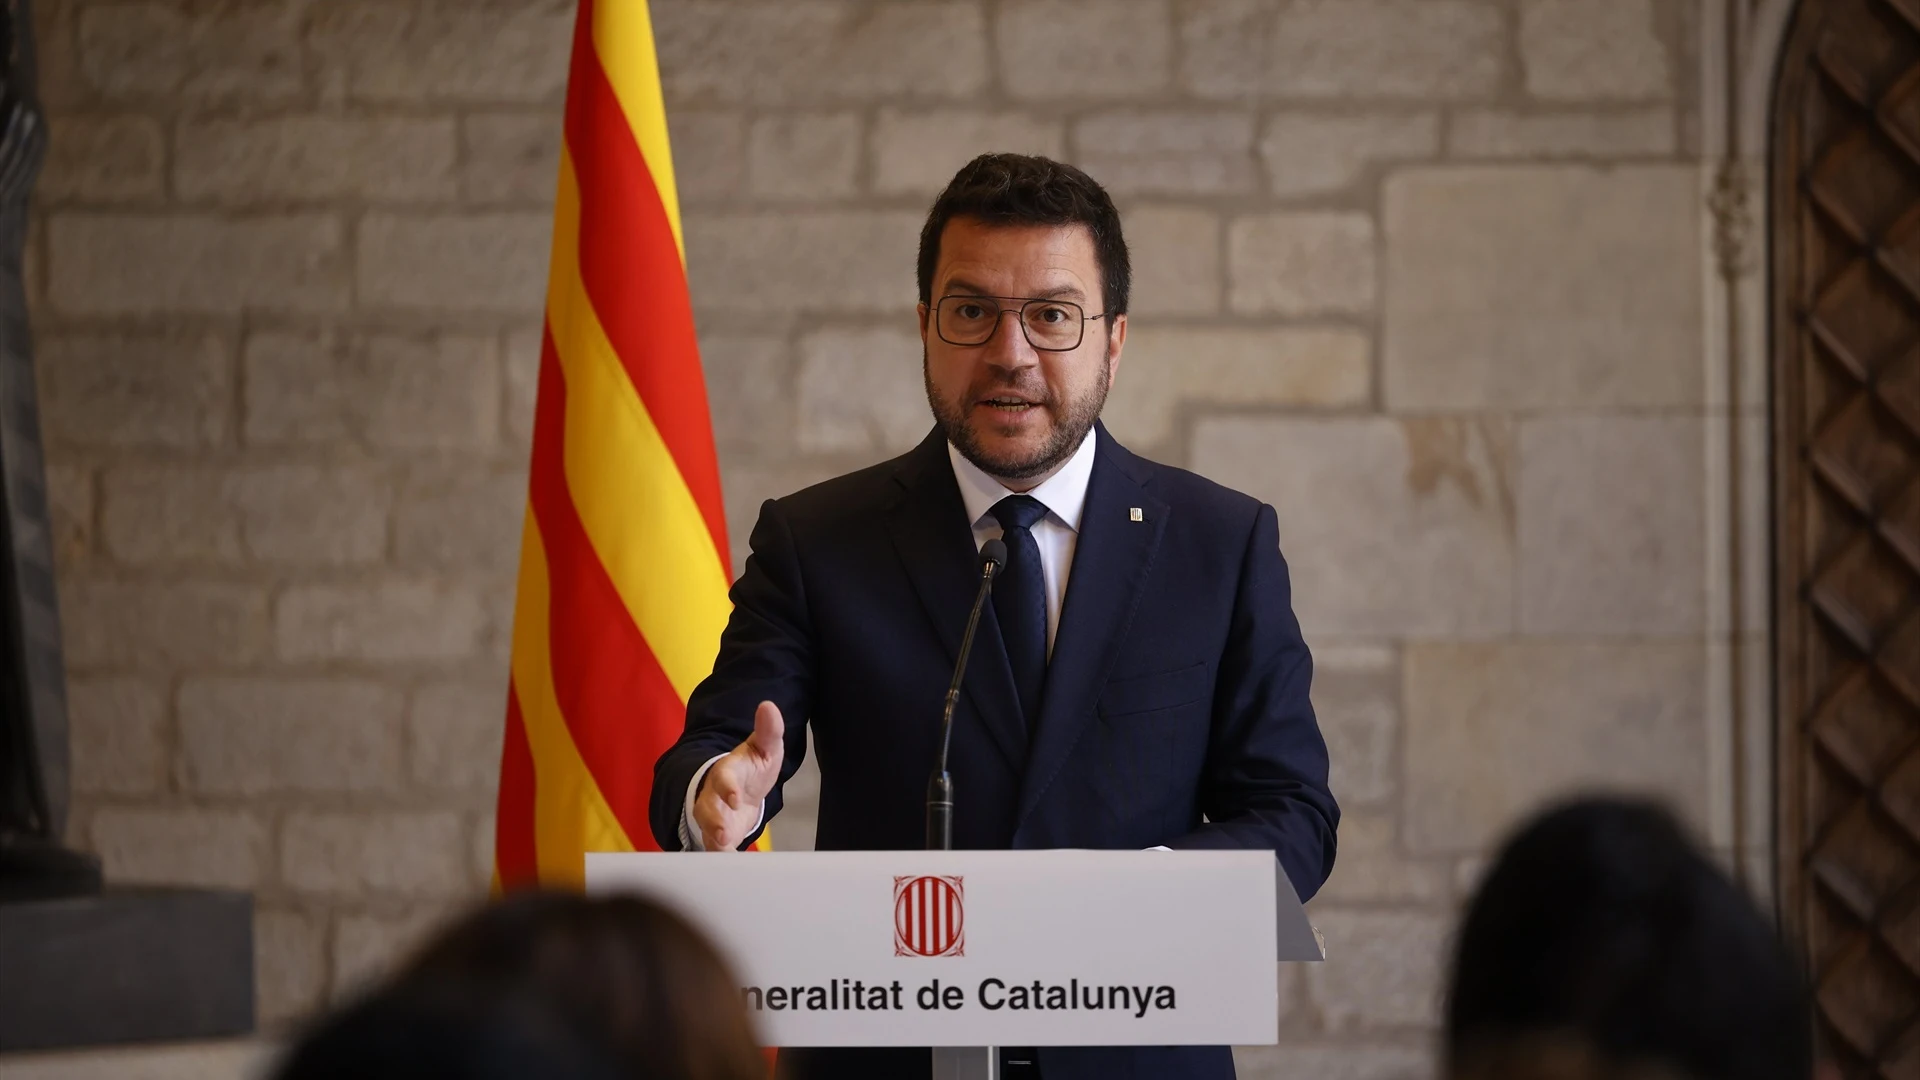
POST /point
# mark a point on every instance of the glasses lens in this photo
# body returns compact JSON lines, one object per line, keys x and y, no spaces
{"x":1053,"y":324}
{"x":967,"y":320}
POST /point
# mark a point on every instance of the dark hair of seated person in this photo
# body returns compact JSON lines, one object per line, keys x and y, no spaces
{"x":1602,"y":924}
{"x":624,"y":972}
{"x":402,"y":1034}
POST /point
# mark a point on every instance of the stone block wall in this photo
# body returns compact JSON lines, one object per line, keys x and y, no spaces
{"x":1428,"y":275}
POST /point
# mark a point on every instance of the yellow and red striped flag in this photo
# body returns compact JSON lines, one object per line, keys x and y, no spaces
{"x":623,"y":564}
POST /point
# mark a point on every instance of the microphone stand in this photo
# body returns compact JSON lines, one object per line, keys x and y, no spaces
{"x":993,"y":555}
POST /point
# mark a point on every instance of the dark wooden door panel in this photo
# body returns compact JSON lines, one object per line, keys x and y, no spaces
{"x":1847,"y":519}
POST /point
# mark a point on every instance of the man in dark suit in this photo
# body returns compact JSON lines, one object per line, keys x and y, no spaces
{"x":1139,"y":679}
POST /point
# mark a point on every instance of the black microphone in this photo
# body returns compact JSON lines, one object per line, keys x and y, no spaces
{"x":993,"y":556}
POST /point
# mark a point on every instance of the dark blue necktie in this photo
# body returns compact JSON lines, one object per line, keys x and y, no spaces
{"x":1020,"y":601}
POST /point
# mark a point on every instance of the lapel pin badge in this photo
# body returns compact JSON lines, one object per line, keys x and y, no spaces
{"x":1134,"y":514}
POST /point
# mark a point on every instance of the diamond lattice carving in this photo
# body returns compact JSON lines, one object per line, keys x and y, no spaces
{"x":1847,"y":471}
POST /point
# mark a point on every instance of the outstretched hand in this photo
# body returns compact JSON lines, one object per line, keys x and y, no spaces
{"x":728,"y":804}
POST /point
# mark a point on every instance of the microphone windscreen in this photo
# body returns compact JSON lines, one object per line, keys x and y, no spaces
{"x":993,"y":553}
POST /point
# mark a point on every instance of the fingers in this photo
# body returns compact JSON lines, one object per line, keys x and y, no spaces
{"x":722,"y":825}
{"x":712,"y":830}
{"x":723,"y":782}
{"x":717,"y":803}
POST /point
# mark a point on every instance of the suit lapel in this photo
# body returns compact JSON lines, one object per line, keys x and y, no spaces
{"x":934,"y":540}
{"x":1111,"y":559}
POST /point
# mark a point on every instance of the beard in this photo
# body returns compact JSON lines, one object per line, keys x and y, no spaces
{"x":1072,"y":419}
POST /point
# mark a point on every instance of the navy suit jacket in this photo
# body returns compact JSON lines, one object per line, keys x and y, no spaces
{"x":1175,"y":709}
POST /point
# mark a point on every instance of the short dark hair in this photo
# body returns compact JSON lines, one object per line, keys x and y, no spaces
{"x":629,"y":974}
{"x":1602,"y":920}
{"x":445,"y":1033}
{"x":1017,"y":189}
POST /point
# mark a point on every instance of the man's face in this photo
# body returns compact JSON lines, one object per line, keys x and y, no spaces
{"x":1016,"y":411}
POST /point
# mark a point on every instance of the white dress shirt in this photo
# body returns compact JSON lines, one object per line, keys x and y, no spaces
{"x":1064,"y":494}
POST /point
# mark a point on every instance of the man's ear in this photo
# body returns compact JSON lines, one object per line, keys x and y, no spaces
{"x":924,"y":312}
{"x":1116,"y":340}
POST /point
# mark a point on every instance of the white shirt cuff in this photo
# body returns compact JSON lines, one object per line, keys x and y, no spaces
{"x":690,"y":839}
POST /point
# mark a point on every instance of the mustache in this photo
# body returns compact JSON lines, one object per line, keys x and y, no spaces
{"x":1034,"y":390}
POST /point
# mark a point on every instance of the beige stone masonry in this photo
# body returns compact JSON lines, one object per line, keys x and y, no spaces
{"x":399,"y":392}
{"x":119,"y":738}
{"x":214,"y":849}
{"x":105,"y":159}
{"x":289,"y":962}
{"x":253,"y":736}
{"x":1574,"y":49}
{"x":377,"y":51}
{"x":1167,"y":152}
{"x":1332,"y":50}
{"x":490,"y":262}
{"x":374,"y":855}
{"x":247,"y":52}
{"x":770,"y":52}
{"x":1168,"y":373}
{"x":861,"y":391}
{"x":379,"y":622}
{"x":1382,"y":969}
{"x":1302,"y":264}
{"x":1307,"y":153}
{"x":1483,"y":310}
{"x":1177,"y":265}
{"x":199,"y":264}
{"x":290,"y":514}
{"x":804,"y":158}
{"x":315,"y":158}
{"x":1612,"y":526}
{"x":785,"y":263}
{"x":754,"y":373}
{"x":514,"y":157}
{"x":1391,"y":527}
{"x":136,"y":390}
{"x":1053,"y":49}
{"x":1374,"y":868}
{"x":1493,"y":729}
{"x":915,"y":152}
{"x":709,"y":155}
{"x":1358,"y":707}
{"x":161,"y":627}
{"x":460,"y":519}
{"x":453,"y":736}
{"x":1489,"y":133}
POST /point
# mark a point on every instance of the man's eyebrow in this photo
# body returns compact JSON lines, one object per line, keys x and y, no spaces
{"x":963,"y":287}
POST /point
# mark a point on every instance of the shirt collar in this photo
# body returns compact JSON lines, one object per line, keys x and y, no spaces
{"x":1064,"y":494}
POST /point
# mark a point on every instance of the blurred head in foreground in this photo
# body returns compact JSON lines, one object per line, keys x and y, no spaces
{"x":405,"y":1034}
{"x":1604,"y":945}
{"x":617,"y":986}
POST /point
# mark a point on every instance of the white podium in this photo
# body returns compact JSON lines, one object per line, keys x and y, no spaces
{"x":976,"y":949}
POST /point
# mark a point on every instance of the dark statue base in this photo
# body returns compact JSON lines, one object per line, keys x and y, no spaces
{"x":35,"y":869}
{"x":126,"y":965}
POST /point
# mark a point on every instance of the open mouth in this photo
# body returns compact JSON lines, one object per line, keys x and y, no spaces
{"x":1008,"y":404}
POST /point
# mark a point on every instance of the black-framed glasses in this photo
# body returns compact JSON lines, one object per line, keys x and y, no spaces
{"x":1050,"y":325}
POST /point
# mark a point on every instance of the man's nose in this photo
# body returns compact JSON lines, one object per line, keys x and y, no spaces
{"x":1008,"y":348}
